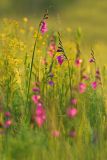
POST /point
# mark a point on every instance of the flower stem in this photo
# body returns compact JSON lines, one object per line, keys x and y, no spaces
{"x":31,"y":67}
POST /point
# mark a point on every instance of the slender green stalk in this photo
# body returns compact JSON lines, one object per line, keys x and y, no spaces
{"x":70,"y":84}
{"x":31,"y":66}
{"x":61,"y":48}
{"x":69,"y":75}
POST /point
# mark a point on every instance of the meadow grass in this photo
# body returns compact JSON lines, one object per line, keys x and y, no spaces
{"x":41,"y":72}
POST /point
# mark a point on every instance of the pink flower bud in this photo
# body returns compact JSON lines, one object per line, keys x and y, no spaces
{"x":72,"y":133}
{"x":43,"y":28}
{"x":36,"y":98}
{"x":40,"y":115}
{"x":7,"y":114}
{"x":91,"y":60}
{"x":72,"y":112}
{"x":94,"y":85}
{"x":39,"y":121}
{"x":55,"y":133}
{"x":60,"y":59}
{"x":82,"y":87}
{"x":74,"y":101}
{"x":7,"y":123}
{"x":78,"y":62}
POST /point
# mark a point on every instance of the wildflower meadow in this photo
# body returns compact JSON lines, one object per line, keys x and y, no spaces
{"x":52,"y":95}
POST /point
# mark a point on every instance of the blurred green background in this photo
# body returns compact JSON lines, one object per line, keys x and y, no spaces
{"x":32,"y":6}
{"x":90,"y":15}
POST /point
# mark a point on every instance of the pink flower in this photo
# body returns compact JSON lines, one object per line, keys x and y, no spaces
{"x":72,"y":112}
{"x":40,"y":110}
{"x":82,"y":87}
{"x":43,"y":28}
{"x":36,"y":98}
{"x":7,"y":124}
{"x":7,"y":114}
{"x":40,"y":115}
{"x":39,"y":121}
{"x":72,"y":133}
{"x":98,"y":75}
{"x":85,"y":77}
{"x":60,"y":59}
{"x":52,"y":49}
{"x":97,"y":72}
{"x":43,"y":61}
{"x":94,"y":85}
{"x":36,"y":89}
{"x":74,"y":101}
{"x":78,"y":62}
{"x":91,"y":60}
{"x":55,"y":133}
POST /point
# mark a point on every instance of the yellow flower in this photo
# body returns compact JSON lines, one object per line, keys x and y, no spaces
{"x":69,"y":29}
{"x":43,"y":43}
{"x":22,"y":31}
{"x":25,"y":19}
{"x":31,"y":28}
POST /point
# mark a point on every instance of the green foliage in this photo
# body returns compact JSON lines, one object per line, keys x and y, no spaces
{"x":24,"y":139}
